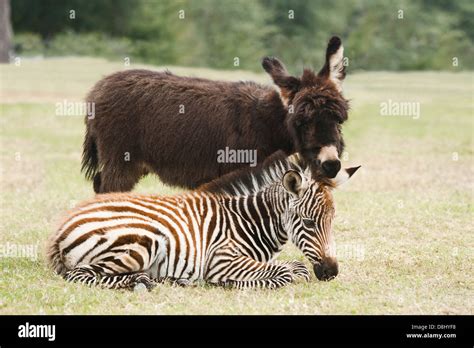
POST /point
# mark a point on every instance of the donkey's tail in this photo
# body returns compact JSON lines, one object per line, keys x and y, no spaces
{"x":90,"y":160}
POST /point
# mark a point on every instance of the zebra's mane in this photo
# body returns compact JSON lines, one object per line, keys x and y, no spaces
{"x":246,"y":181}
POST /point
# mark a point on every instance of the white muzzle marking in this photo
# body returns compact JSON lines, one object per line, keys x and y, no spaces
{"x":328,"y":153}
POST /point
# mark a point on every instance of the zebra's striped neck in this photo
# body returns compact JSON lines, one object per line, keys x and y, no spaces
{"x":262,"y":188}
{"x":278,"y":199}
{"x":248,"y":181}
{"x":261,"y":218}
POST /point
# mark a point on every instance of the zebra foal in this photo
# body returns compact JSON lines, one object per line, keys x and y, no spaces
{"x":226,"y":233}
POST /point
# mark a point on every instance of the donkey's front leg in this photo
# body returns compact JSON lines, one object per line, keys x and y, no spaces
{"x":243,"y":272}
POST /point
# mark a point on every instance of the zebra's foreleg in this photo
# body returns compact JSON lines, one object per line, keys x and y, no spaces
{"x":182,"y":282}
{"x":297,"y":268}
{"x":246,"y":273}
{"x":94,"y":275}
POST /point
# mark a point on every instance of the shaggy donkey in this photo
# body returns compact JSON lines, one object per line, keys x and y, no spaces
{"x":148,"y":121}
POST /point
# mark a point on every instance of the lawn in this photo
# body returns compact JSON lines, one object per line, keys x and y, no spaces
{"x":404,"y":225}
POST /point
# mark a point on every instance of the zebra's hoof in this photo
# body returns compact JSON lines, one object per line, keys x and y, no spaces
{"x":301,"y":274}
{"x":142,"y":282}
{"x":299,"y":270}
{"x":183,"y":282}
{"x":140,"y":287}
{"x":226,"y":284}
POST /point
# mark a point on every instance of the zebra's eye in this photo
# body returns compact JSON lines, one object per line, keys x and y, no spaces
{"x":308,"y":223}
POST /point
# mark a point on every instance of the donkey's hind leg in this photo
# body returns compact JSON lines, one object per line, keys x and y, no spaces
{"x":119,"y":177}
{"x":94,"y":275}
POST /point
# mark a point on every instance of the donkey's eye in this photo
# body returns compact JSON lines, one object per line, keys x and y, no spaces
{"x":308,"y":223}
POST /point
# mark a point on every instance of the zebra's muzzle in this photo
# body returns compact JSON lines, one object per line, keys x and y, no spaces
{"x":327,"y":269}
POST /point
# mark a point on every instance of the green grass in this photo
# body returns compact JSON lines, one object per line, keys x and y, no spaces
{"x":404,"y":223}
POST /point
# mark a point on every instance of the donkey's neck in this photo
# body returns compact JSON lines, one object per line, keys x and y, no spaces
{"x":274,"y":113}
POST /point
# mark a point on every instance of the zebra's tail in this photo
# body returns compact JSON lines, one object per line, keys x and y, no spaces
{"x":54,"y":256}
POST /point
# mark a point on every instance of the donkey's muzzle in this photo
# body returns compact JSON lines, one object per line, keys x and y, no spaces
{"x":327,"y":269}
{"x":331,"y":168}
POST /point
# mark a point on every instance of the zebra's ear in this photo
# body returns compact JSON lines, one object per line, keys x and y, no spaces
{"x":343,"y":176}
{"x":294,"y":183}
{"x":334,"y":68}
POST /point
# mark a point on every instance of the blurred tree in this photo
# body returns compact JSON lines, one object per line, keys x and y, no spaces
{"x":49,"y":17}
{"x":5,"y":31}
{"x":228,"y":30}
{"x":405,"y":36}
{"x":213,"y":32}
{"x":302,"y":29}
{"x":462,"y":9}
{"x":156,"y":31}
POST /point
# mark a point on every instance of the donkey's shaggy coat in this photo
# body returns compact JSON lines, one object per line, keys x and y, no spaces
{"x":148,"y":121}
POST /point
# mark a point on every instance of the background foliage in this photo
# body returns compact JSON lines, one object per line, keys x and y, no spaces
{"x":213,"y":32}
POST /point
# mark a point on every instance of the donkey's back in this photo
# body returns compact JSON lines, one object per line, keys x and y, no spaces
{"x":174,"y":126}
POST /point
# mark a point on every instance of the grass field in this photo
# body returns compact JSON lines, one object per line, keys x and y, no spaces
{"x":404,"y":225}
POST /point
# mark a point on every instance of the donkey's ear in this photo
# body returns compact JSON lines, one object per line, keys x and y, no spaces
{"x":294,"y":183}
{"x":343,"y":176}
{"x":280,"y":75}
{"x":334,"y":68}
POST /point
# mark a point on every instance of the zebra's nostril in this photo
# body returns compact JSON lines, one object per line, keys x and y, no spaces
{"x":319,"y":271}
{"x":326,"y":270}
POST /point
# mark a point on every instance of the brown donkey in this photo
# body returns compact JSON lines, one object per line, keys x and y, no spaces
{"x":190,"y":131}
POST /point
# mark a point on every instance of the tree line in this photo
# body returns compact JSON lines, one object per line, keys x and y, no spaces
{"x":378,"y":35}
